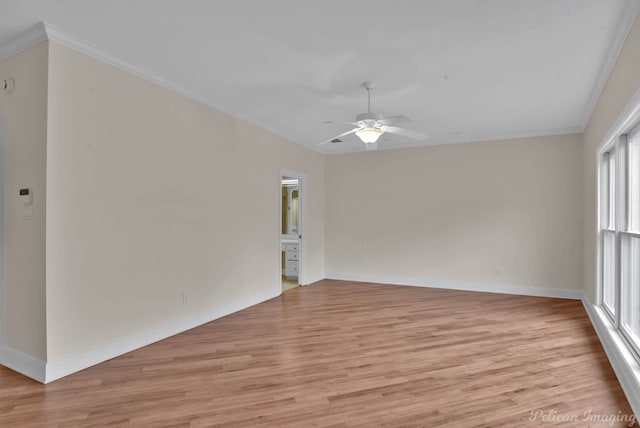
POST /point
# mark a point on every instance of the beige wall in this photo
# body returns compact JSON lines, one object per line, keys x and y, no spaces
{"x":622,"y":84}
{"x":151,"y":195}
{"x":25,"y":115}
{"x":502,"y":212}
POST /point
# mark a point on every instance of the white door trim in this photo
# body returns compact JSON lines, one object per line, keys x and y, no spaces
{"x":302,"y":226}
{"x":2,"y":205}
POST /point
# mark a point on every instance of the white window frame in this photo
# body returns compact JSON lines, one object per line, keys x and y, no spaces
{"x":616,"y":140}
{"x":608,"y":224}
{"x":624,"y":233}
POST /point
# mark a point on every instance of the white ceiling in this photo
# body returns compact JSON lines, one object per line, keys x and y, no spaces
{"x":463,"y":70}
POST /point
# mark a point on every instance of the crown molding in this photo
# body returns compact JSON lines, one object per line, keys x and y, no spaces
{"x":468,"y":138}
{"x":44,"y":31}
{"x":497,"y":136}
{"x":32,"y":36}
{"x":84,"y":47}
{"x":77,"y":44}
{"x":628,"y":14}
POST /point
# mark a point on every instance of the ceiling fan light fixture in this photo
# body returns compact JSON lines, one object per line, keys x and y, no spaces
{"x":369,"y":135}
{"x":370,"y":126}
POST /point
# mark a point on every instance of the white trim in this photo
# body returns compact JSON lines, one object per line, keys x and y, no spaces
{"x":496,"y":136}
{"x":57,"y":369}
{"x":84,"y":47}
{"x":598,"y":234}
{"x":624,"y":365}
{"x":45,"y":31}
{"x":27,"y":39}
{"x":73,"y":42}
{"x":302,"y":226}
{"x":560,"y":293}
{"x":627,"y":118}
{"x":2,"y":205}
{"x":620,"y":356}
{"x":23,"y":363}
{"x":337,"y":149}
{"x":628,"y":15}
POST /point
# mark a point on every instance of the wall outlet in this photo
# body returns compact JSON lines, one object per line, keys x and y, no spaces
{"x":184,"y":297}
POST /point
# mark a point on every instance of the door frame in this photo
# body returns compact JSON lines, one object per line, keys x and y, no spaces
{"x":302,"y":221}
{"x":3,"y":139}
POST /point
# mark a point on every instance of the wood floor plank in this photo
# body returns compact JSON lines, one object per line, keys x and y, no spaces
{"x":345,"y":354}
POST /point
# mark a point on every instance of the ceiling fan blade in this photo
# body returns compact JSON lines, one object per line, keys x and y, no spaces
{"x":394,"y":120}
{"x":328,"y":122}
{"x":405,"y":132}
{"x":328,"y":140}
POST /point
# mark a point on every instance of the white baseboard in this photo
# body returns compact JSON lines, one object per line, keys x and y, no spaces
{"x":57,"y":369}
{"x":23,"y":363}
{"x":624,"y":364}
{"x":464,"y":286}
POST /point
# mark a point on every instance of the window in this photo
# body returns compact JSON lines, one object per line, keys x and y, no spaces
{"x":608,"y":230}
{"x":634,"y":179}
{"x":619,"y":202}
{"x":630,"y":244}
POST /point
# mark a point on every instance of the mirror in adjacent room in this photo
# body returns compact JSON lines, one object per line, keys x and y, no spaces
{"x":290,"y":206}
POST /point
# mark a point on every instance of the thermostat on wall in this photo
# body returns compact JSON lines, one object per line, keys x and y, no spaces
{"x":26,"y":196}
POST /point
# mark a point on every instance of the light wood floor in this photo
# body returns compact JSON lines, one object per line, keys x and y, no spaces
{"x":288,"y":284}
{"x":345,"y":354}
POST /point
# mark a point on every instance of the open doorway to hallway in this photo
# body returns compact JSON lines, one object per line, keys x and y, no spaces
{"x":290,"y":227}
{"x":291,"y":197}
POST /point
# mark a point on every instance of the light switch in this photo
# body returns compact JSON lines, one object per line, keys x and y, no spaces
{"x":26,"y":195}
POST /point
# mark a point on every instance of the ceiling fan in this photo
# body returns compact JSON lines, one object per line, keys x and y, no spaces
{"x":370,"y":126}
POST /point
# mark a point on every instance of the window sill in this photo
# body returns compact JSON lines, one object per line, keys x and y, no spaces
{"x":624,"y":364}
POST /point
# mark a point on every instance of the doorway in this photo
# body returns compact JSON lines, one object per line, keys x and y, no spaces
{"x":292,"y":213}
